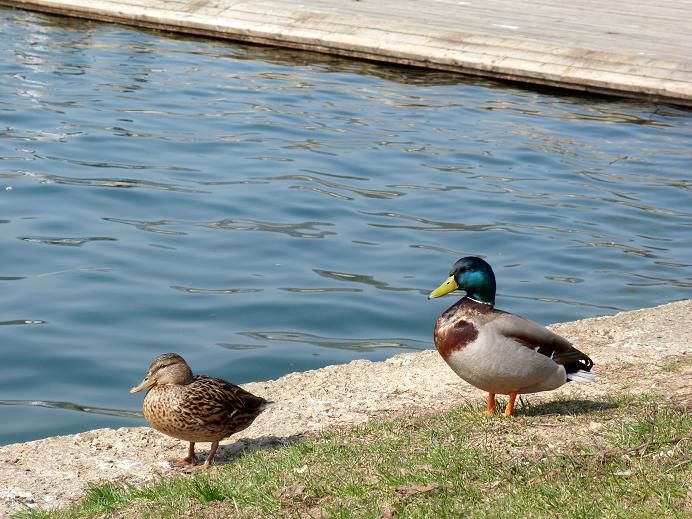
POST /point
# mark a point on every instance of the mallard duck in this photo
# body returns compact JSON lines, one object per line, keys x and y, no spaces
{"x":195,"y":408}
{"x":496,"y":351}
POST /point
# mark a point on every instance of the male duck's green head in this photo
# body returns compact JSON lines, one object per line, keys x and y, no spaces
{"x":472,"y":275}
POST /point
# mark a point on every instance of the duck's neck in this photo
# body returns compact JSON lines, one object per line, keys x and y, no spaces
{"x":474,"y":300}
{"x":485,"y":295}
{"x":474,"y":305}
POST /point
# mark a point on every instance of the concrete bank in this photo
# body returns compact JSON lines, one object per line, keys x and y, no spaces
{"x":641,"y":352}
{"x":638,"y":49}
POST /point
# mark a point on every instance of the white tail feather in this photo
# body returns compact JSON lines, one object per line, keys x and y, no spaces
{"x":581,"y":376}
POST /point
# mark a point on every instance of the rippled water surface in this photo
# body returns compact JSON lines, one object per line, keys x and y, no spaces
{"x":262,"y":211}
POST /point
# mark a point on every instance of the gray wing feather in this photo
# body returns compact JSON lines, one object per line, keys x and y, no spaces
{"x":539,"y":338}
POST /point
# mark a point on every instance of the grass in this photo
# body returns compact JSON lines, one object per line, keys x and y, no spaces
{"x":627,"y":458}
{"x":671,"y":367}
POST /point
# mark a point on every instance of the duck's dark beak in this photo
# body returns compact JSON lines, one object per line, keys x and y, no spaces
{"x":146,"y":383}
{"x":450,"y":285}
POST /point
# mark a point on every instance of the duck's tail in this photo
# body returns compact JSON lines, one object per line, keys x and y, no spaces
{"x":581,"y":376}
{"x":265,"y":404}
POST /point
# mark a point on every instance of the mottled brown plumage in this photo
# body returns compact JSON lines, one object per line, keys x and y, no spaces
{"x":195,"y":408}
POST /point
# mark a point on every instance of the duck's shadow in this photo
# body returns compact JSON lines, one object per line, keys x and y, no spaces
{"x":563,"y":407}
{"x":233,"y":451}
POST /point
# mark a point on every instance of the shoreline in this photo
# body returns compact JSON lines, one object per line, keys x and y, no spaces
{"x":633,"y":352}
{"x":595,"y":47}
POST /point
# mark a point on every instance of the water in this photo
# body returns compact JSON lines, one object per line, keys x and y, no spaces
{"x":262,"y":211}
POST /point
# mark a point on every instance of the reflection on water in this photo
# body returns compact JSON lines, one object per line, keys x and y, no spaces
{"x":602,"y":309}
{"x":352,"y":344}
{"x":368,"y":193}
{"x":70,"y":242}
{"x":178,"y":194}
{"x":431,"y":225}
{"x":120,"y":183}
{"x":363,"y":278}
{"x":70,"y":406}
{"x":22,"y":321}
{"x":315,"y":290}
{"x":216,"y":291}
{"x":296,"y":230}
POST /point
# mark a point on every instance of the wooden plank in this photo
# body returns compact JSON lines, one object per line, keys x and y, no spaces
{"x":638,"y":49}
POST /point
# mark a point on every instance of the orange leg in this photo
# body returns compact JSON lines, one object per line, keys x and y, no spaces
{"x":491,"y":405}
{"x":190,"y":460}
{"x":210,"y":459}
{"x":212,"y":453}
{"x":509,"y":410}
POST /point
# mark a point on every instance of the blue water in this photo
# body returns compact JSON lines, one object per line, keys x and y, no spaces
{"x":262,"y":211}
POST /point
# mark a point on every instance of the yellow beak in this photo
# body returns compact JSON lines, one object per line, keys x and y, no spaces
{"x":450,"y":285}
{"x":146,"y":383}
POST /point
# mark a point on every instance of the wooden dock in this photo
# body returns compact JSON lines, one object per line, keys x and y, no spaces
{"x":633,"y":49}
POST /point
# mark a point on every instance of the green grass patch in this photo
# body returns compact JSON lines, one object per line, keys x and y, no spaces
{"x":671,"y":367}
{"x":626,"y":457}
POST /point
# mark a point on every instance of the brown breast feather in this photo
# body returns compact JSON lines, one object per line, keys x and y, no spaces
{"x":454,"y":337}
{"x":458,"y":325}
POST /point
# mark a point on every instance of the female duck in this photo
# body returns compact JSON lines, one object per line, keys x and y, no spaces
{"x":195,"y":408}
{"x":496,"y":351}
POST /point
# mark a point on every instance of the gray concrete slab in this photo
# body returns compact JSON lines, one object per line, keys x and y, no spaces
{"x":635,"y":49}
